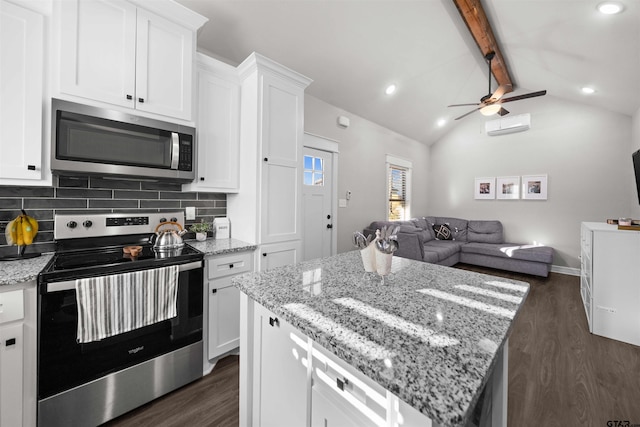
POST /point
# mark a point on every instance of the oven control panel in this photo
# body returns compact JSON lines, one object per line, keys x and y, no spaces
{"x":129,"y":220}
{"x":72,"y":226}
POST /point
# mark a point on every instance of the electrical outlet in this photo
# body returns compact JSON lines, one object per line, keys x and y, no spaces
{"x":190,"y":212}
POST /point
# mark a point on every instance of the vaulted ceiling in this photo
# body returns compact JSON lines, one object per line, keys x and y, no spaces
{"x":353,"y":49}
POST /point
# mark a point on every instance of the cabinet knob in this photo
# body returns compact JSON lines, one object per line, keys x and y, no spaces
{"x":264,"y":254}
{"x":31,"y":167}
{"x":329,"y":225}
{"x":266,"y":159}
{"x":273,"y":321}
{"x":213,"y":291}
{"x":230,"y":265}
{"x":141,"y":100}
{"x":202,"y":178}
{"x":129,"y":97}
{"x":10,"y":341}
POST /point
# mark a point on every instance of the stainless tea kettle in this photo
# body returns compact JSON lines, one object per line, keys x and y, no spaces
{"x":167,"y":239}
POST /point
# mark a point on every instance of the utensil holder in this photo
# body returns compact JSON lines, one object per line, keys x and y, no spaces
{"x":383,"y":263}
{"x":369,"y":257}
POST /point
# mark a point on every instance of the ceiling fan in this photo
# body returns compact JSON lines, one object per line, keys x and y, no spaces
{"x":491,"y":103}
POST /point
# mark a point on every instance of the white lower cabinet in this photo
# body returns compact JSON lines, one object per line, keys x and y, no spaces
{"x":11,"y":358}
{"x":223,"y":302}
{"x":609,"y":281}
{"x":280,"y":381}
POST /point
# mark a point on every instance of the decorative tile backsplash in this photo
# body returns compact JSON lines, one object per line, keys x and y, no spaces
{"x":71,"y":194}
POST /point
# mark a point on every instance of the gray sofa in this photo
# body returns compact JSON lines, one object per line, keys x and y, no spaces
{"x":448,"y":241}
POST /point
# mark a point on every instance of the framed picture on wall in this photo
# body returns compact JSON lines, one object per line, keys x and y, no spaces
{"x":534,"y":187}
{"x":508,"y":187}
{"x":485,"y":188}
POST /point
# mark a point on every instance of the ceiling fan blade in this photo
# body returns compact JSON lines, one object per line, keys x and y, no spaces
{"x":466,"y":114}
{"x":525,"y":96}
{"x":499,"y":93}
{"x":464,"y":105}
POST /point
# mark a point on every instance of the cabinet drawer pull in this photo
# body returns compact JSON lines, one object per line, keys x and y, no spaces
{"x":230,"y":265}
{"x":141,"y":100}
{"x":266,"y":159}
{"x":341,"y":383}
{"x":129,"y":97}
{"x":202,"y":178}
{"x":31,"y":167}
{"x":213,"y":291}
{"x":273,"y":321}
{"x":264,"y":254}
{"x":11,"y":341}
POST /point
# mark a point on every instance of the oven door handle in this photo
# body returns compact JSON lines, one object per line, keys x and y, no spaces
{"x":71,"y":284}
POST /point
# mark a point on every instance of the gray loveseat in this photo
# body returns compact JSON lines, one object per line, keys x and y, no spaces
{"x":448,"y":241}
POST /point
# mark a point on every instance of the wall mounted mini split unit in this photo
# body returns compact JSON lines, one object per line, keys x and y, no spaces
{"x":506,"y":125}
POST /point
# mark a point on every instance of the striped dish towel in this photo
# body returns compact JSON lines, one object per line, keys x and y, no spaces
{"x":112,"y":305}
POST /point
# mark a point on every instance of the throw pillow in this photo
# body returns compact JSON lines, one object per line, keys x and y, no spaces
{"x":443,"y":232}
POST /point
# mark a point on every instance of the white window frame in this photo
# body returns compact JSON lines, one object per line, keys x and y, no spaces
{"x":398,"y":162}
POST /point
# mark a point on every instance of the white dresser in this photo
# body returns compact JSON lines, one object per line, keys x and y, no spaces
{"x":610,"y":281}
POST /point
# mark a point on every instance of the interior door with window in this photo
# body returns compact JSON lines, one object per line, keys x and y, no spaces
{"x":317,"y":203}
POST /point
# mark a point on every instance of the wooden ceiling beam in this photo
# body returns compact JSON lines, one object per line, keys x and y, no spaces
{"x":476,"y":20}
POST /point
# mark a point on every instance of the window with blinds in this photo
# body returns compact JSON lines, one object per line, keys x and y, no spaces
{"x":398,"y":188}
{"x":397,"y":185}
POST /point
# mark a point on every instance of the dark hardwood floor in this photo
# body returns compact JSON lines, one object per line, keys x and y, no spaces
{"x":559,"y":374}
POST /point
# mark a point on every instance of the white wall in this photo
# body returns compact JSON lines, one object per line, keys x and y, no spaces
{"x":635,"y":146}
{"x":585,"y":152}
{"x":363,"y":149}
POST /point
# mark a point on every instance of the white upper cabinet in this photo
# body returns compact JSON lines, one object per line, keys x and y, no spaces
{"x":218,"y":127}
{"x":22,"y":68}
{"x":115,"y":52}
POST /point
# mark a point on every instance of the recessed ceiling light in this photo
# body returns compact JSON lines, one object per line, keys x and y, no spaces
{"x":588,"y":90}
{"x":441,"y":122}
{"x":390,"y":89}
{"x":610,"y":7}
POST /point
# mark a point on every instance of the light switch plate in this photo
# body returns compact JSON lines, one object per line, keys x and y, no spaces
{"x":342,"y":203}
{"x":191,"y":212}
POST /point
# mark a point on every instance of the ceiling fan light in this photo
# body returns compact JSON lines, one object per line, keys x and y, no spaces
{"x":490,"y":110}
{"x":390,"y":89}
{"x":610,"y":7}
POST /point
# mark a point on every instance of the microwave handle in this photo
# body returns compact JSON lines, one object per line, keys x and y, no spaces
{"x":175,"y":150}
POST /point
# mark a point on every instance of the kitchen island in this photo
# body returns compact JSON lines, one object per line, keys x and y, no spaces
{"x":325,"y":343}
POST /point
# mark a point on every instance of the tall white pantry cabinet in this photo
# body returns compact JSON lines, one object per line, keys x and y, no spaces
{"x":610,"y":281}
{"x":267,"y":210}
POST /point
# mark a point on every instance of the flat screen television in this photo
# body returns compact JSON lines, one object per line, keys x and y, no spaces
{"x":636,"y":166}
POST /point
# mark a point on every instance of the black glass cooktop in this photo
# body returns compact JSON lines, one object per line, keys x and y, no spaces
{"x":113,"y":256}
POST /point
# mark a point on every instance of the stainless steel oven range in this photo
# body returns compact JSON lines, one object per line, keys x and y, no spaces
{"x":115,"y":329}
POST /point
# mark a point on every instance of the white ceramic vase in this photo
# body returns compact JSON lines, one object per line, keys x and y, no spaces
{"x":369,"y":257}
{"x":383,"y":263}
{"x":201,"y":237}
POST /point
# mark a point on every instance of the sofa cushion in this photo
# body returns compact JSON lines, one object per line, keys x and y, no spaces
{"x":430,"y":257}
{"x":542,"y":254}
{"x":458,"y":226}
{"x":485,"y":232}
{"x":444,"y":248}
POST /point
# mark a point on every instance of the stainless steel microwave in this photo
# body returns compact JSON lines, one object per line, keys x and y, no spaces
{"x":90,"y":140}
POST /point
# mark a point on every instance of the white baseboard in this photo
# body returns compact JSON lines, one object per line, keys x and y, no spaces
{"x":570,"y":271}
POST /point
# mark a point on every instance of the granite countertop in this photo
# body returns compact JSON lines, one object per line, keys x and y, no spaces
{"x":12,"y":272}
{"x":427,"y":333}
{"x":222,"y":246}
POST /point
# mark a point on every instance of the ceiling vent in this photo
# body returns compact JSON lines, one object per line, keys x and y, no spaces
{"x":506,"y":125}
